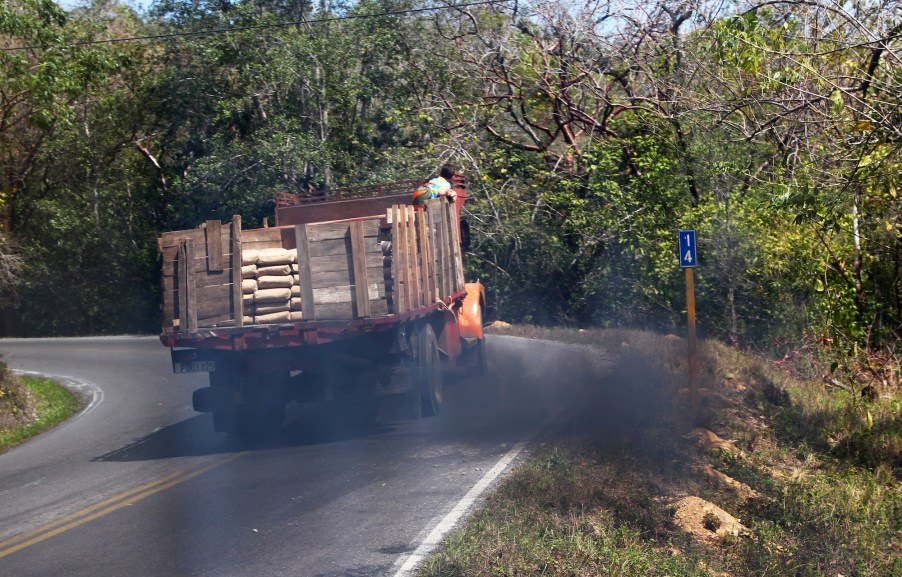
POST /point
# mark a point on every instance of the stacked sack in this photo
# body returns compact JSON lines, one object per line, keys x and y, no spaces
{"x":270,"y":286}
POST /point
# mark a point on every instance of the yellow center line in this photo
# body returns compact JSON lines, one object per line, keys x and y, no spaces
{"x":105,"y":507}
{"x":87,"y":510}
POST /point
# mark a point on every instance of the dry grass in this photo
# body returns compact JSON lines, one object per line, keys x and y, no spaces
{"x":805,"y":477}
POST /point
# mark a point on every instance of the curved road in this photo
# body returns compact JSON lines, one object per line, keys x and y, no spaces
{"x":139,"y":484}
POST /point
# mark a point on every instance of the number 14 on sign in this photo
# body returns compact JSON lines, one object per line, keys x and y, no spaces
{"x":687,"y":249}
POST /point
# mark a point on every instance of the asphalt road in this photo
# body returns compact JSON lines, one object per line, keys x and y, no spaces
{"x":139,"y":484}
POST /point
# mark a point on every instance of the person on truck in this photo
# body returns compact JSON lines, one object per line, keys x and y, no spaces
{"x":436,"y":187}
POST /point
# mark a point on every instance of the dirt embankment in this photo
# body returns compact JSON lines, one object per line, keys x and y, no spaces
{"x":17,"y":404}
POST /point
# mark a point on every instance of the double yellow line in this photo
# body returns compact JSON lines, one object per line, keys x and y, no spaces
{"x":19,"y":542}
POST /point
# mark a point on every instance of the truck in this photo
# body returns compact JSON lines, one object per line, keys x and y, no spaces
{"x":352,"y":297}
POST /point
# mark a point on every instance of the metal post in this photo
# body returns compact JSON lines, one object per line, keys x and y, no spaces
{"x":693,"y":350}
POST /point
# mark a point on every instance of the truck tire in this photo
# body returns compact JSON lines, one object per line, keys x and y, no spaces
{"x":260,"y":415}
{"x":428,"y":371}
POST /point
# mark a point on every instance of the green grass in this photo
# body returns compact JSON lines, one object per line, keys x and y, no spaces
{"x":560,"y":514}
{"x":52,"y":404}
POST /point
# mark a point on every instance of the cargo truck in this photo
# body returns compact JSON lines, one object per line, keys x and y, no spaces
{"x":353,"y":296}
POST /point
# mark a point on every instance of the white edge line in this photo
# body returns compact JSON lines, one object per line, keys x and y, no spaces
{"x":85,"y":388}
{"x":434,"y":539}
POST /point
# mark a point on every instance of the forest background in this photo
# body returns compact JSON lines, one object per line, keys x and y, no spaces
{"x":591,"y":132}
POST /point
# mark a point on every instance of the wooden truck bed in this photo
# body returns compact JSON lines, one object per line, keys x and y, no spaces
{"x":224,"y":287}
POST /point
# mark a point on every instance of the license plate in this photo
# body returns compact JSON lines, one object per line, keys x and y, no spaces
{"x":194,"y":367}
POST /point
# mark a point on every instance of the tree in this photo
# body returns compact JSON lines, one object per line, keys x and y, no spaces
{"x":818,"y":82}
{"x":70,"y":119}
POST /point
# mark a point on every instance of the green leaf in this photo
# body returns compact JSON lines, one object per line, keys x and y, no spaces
{"x":837,"y":105}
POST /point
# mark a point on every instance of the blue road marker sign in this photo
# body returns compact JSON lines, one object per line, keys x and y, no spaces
{"x":687,"y":249}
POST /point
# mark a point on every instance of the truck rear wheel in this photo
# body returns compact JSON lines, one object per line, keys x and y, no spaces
{"x":257,"y":407}
{"x":428,"y":371}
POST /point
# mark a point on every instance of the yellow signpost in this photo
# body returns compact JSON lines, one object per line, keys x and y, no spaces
{"x":688,"y":261}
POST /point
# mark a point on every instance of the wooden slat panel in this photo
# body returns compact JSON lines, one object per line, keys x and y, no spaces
{"x":187,"y":295}
{"x":213,"y":300}
{"x":453,"y":246}
{"x":342,"y":294}
{"x":324,"y":280}
{"x":435,"y":238}
{"x":423,"y":238}
{"x":435,"y":221}
{"x":335,"y":247}
{"x":209,"y":306}
{"x":361,"y":283}
{"x":260,"y":239}
{"x":216,"y":321}
{"x":403,"y":252}
{"x":237,"y":293}
{"x":414,"y":275}
{"x":412,"y":260}
{"x":436,"y":247}
{"x":457,"y":262}
{"x":213,"y":240}
{"x":182,"y":292}
{"x":169,"y":319}
{"x":449,"y":252}
{"x":174,"y":239}
{"x":330,"y":247}
{"x":394,"y":217}
{"x":201,"y":280}
{"x":200,"y":263}
{"x":379,"y":307}
{"x":410,"y":249}
{"x":342,"y":263}
{"x":441,"y":225}
{"x":339,"y":230}
{"x":376,"y":275}
{"x":337,"y":263}
{"x":306,"y":279}
{"x":370,"y":228}
{"x":334,"y":312}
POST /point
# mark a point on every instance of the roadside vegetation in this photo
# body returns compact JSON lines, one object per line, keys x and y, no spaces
{"x":590,"y":133}
{"x":29,"y":406}
{"x":776,"y":474}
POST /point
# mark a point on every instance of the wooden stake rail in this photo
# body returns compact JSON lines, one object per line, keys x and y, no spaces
{"x":338,"y":272}
{"x":426,"y":257}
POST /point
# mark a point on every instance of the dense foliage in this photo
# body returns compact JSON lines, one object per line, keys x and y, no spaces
{"x":591,"y":132}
